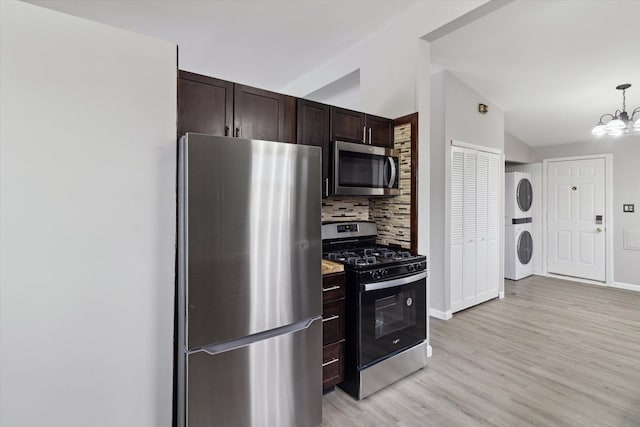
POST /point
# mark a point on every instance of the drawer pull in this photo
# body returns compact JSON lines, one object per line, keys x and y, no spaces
{"x":334,"y":317}
{"x":332,"y":288}
{"x":334,"y":360}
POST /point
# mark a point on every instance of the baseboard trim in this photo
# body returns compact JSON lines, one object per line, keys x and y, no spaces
{"x":429,"y":351}
{"x":627,"y":286}
{"x":501,"y":294}
{"x":442,"y":315}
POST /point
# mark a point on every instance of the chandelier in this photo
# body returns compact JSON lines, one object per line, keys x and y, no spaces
{"x":619,"y":122}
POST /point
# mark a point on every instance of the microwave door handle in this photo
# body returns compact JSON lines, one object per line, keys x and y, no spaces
{"x":392,"y":178}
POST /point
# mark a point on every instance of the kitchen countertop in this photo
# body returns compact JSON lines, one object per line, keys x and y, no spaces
{"x":331,"y":267}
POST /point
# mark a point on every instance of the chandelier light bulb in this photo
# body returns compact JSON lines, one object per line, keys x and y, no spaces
{"x":615,"y":124}
{"x":600,"y":129}
{"x":636,"y":126}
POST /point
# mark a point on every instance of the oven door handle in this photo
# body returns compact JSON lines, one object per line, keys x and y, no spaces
{"x":395,"y":282}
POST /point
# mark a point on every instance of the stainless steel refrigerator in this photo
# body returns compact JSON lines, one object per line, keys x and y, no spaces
{"x":249,"y":283}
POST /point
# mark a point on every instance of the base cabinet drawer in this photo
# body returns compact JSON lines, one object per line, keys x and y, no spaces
{"x":332,"y":322}
{"x":332,"y":364}
{"x":333,"y":287}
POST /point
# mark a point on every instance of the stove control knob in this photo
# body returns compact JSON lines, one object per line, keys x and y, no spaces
{"x":384,"y":272}
{"x":418,"y":267}
{"x":411,"y":267}
{"x":375,"y":274}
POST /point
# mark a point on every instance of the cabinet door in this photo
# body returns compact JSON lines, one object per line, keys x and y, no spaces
{"x":260,"y":114}
{"x":469,"y":251}
{"x":313,"y":129}
{"x":205,"y":105}
{"x":379,"y":131}
{"x":482,"y":224}
{"x":456,"y":226}
{"x":347,"y":125}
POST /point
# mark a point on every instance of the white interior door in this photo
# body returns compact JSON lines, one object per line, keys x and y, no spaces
{"x":575,"y":198}
{"x":493,"y":236}
{"x":482,"y":226}
{"x":457,"y":226}
{"x":470,"y":235}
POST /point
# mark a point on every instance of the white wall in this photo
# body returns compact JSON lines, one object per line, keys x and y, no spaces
{"x":344,"y":92}
{"x":388,"y":60}
{"x":516,"y":150}
{"x":454,"y":116}
{"x":87,"y":219}
{"x":626,"y":182}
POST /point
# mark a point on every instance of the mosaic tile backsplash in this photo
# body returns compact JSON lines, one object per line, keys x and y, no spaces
{"x":393,"y":215}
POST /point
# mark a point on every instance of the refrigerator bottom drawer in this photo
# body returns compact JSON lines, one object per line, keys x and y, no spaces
{"x":274,"y":382}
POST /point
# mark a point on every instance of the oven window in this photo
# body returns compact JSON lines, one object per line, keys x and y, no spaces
{"x":394,"y":313}
{"x":391,"y":319}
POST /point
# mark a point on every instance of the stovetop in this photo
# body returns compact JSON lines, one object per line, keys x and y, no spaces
{"x":371,"y":256}
{"x":354,"y":245}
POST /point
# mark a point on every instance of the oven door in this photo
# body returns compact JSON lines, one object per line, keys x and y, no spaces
{"x":365,"y":170}
{"x":392,"y":317}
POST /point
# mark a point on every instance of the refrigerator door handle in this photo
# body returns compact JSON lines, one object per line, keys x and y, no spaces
{"x":251,"y":339}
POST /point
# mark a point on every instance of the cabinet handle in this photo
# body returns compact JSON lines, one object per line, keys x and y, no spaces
{"x":328,"y":319}
{"x":237,"y":132}
{"x":334,"y":360}
{"x":226,"y":131}
{"x":326,"y":187}
{"x":369,"y":136}
{"x":364,"y":135}
{"x":332,"y":288}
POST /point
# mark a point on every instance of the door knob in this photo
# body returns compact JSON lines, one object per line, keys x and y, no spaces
{"x":599,"y":230}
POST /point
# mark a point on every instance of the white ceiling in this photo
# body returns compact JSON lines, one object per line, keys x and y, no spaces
{"x":266,"y":44}
{"x":551,"y":65}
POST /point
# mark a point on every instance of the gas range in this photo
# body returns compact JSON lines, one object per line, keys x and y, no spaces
{"x":385,"y":304}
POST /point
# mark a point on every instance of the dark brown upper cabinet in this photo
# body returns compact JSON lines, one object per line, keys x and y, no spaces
{"x":353,"y":126}
{"x":379,"y":131}
{"x":314,"y":124}
{"x":260,"y":114}
{"x":205,"y":105}
{"x":347,"y":125}
{"x":218,"y":107}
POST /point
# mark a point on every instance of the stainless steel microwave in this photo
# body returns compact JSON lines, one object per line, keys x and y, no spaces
{"x":365,"y":170}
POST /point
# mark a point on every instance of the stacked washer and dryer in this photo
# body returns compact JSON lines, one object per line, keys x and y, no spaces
{"x":518,"y":248}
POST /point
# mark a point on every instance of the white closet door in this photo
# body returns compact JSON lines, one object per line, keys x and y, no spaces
{"x":469,"y":221}
{"x":493,"y":232}
{"x":482,"y":226}
{"x":457,"y":226}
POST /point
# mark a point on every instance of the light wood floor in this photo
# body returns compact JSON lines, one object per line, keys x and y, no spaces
{"x":551,"y":353}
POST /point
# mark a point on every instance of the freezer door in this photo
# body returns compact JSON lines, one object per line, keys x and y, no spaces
{"x":253,"y":246}
{"x":274,"y":382}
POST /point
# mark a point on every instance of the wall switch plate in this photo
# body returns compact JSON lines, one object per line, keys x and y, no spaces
{"x":628,"y":208}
